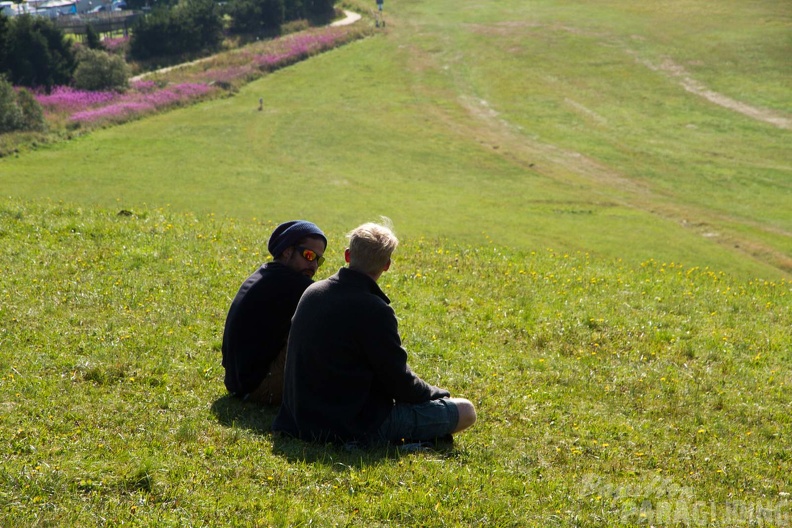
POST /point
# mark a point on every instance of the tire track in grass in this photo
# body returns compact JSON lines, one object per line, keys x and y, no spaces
{"x":554,"y":162}
{"x":698,"y":88}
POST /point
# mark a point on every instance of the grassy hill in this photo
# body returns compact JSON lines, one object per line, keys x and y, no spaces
{"x":596,"y":243}
{"x":608,"y":394}
{"x":533,"y":124}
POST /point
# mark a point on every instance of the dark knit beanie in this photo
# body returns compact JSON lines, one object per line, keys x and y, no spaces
{"x":289,"y":233}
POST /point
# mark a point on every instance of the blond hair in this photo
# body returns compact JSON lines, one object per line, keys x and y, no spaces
{"x":371,"y":246}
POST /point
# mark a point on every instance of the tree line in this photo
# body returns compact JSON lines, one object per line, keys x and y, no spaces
{"x":190,"y":26}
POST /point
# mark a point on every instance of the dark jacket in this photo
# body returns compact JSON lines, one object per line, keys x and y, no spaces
{"x":258,"y":322}
{"x":345,"y":366}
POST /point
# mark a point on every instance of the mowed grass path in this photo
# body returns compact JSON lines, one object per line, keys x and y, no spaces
{"x":532,"y":124}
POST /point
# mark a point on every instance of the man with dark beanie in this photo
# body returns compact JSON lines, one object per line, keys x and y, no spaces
{"x":347,"y":377}
{"x":258,"y":322}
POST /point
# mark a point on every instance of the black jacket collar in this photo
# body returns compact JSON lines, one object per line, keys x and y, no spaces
{"x":363,"y":281}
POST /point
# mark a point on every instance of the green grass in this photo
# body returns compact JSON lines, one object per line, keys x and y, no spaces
{"x":540,"y":123}
{"x":596,"y":257}
{"x":601,"y":387}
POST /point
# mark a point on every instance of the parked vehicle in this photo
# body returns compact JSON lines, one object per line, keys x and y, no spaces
{"x":8,"y":9}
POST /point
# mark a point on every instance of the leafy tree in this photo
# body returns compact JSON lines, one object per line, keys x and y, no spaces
{"x":193,"y":26}
{"x":139,"y":5}
{"x":273,"y":13}
{"x":293,"y":10}
{"x":204,"y":21}
{"x":320,"y":9}
{"x":250,"y":16}
{"x":151,"y":36}
{"x":3,"y":41}
{"x":245,"y":16}
{"x":99,"y":70}
{"x":37,"y":53}
{"x":92,"y":39}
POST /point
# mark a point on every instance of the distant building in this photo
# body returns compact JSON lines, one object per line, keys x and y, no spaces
{"x":56,"y":8}
{"x":48,"y":8}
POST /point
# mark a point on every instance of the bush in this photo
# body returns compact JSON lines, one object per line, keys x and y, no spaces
{"x":32,"y":113}
{"x":98,"y":70}
{"x":10,"y":113}
{"x":18,"y":111}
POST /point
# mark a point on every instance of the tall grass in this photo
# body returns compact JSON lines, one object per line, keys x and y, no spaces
{"x":608,"y":393}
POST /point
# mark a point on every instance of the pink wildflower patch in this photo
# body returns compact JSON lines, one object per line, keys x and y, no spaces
{"x":143,"y":86}
{"x":298,"y":47}
{"x":64,"y":98}
{"x":146,"y":97}
{"x":141,"y":102}
{"x":113,"y":111}
{"x":115,"y":44}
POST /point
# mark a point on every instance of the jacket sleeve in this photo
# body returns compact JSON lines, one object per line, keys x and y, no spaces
{"x":388,"y":359}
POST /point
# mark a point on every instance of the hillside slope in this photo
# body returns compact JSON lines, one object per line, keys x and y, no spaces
{"x":542,"y":124}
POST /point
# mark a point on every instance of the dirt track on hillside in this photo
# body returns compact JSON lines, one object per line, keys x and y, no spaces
{"x":695,"y":87}
{"x":612,"y":187}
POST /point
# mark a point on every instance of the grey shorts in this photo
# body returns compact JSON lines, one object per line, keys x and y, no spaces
{"x":420,"y":422}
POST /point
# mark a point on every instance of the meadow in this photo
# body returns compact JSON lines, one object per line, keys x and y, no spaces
{"x":608,"y":394}
{"x":539,"y":123}
{"x":595,"y":250}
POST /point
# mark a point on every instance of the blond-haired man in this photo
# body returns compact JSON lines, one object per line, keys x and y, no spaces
{"x":346,"y":376}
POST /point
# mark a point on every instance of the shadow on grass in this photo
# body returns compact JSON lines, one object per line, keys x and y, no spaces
{"x":232,"y":412}
{"x":295,"y":450}
{"x":341,"y":456}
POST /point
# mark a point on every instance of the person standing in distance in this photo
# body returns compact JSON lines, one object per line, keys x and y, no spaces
{"x":258,"y":322}
{"x":346,"y":377}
